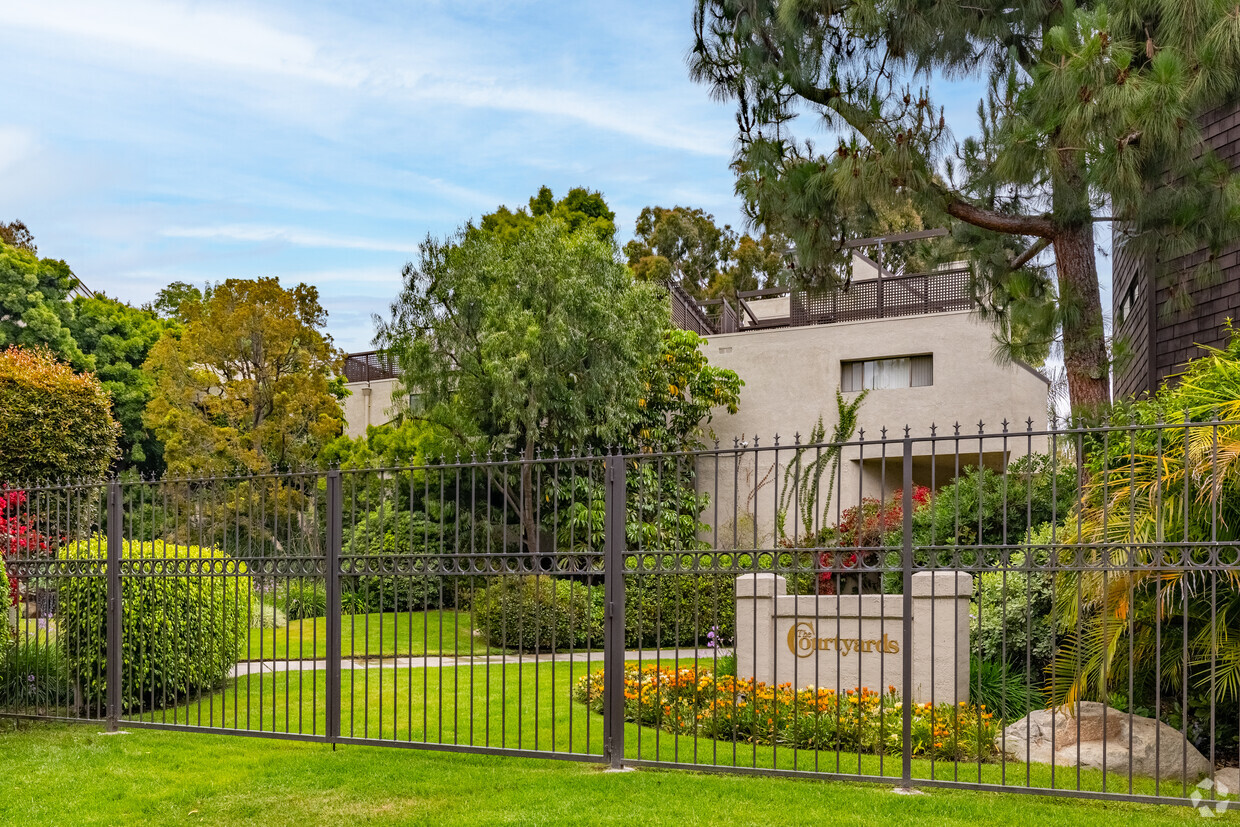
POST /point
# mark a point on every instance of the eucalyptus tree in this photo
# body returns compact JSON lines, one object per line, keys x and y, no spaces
{"x":1089,"y":116}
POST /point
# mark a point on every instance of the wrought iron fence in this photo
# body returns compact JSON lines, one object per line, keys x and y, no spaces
{"x":1021,"y":610}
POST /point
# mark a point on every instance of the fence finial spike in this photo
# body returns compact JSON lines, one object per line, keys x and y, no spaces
{"x":906,"y":431}
{"x":861,"y":434}
{"x":981,"y":427}
{"x":755,"y":440}
{"x":957,"y":427}
{"x":1029,"y":424}
{"x":736,"y":442}
{"x":716,"y":443}
{"x":934,"y":430}
{"x":1005,"y":424}
{"x":777,"y":440}
{"x":883,"y":433}
{"x":797,"y":437}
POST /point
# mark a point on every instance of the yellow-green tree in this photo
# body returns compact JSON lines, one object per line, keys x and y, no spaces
{"x":248,"y":383}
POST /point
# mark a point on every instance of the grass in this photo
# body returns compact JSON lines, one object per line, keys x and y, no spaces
{"x":72,"y":774}
{"x":386,"y":634}
{"x":529,"y":707}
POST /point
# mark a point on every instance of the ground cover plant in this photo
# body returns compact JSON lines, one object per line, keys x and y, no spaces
{"x":694,"y":701}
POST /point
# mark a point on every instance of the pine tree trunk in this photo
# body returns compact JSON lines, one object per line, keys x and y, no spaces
{"x":1085,"y":359}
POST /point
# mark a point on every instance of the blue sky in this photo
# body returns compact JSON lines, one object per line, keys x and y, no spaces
{"x":147,"y":141}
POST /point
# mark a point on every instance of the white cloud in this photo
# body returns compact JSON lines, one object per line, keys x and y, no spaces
{"x":132,"y":31}
{"x":289,"y":235}
{"x":194,"y":33}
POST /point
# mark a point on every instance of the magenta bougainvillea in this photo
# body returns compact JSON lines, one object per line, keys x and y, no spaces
{"x":19,"y":536}
{"x":861,"y":532}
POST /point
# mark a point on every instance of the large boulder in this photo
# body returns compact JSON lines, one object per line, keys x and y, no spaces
{"x":1129,"y":744}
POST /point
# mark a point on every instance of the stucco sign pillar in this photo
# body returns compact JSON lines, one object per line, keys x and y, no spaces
{"x":844,"y":642}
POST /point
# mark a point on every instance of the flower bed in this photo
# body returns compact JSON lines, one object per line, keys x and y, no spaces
{"x":689,"y":702}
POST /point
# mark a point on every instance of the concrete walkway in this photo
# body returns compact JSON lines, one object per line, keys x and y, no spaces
{"x":254,"y":667}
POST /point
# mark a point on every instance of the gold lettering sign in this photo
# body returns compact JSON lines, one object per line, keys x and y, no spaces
{"x":803,"y":641}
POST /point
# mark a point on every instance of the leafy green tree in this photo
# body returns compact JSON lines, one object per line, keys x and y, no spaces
{"x":34,"y":306}
{"x":680,"y":392}
{"x":118,"y":339}
{"x":248,"y":382}
{"x":684,"y":245}
{"x":580,"y":208}
{"x":679,"y":244}
{"x":1090,"y":116}
{"x":17,"y":234}
{"x":524,"y":340}
{"x":169,"y":301}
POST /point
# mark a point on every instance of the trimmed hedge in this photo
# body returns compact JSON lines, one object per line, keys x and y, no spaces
{"x":667,"y":610}
{"x":183,"y":628}
{"x":54,"y":423}
{"x":394,"y":544}
{"x":539,"y":613}
{"x":663,"y":610}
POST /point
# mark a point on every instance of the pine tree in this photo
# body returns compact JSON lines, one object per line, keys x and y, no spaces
{"x":1090,"y":116}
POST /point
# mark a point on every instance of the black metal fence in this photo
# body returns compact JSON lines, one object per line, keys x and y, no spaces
{"x":1023,"y":610}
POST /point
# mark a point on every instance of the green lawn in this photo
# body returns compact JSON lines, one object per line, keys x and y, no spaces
{"x":529,"y":707}
{"x":66,"y":774}
{"x":385,"y":634}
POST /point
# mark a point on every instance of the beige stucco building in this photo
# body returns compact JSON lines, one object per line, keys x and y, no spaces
{"x":372,"y":383}
{"x":912,"y":342}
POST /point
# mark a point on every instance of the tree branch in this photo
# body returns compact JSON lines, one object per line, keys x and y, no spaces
{"x":1027,"y":256}
{"x":955,"y":205}
{"x":998,"y":222}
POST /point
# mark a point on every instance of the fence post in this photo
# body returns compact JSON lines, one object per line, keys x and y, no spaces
{"x":613,"y":624}
{"x":906,"y":557}
{"x":335,"y":538}
{"x":112,"y":566}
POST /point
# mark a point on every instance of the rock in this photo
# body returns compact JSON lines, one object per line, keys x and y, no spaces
{"x":1157,"y":750}
{"x":1227,"y":780}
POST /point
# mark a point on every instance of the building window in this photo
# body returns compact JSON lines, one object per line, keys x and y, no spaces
{"x":1129,"y":300}
{"x":880,"y":374}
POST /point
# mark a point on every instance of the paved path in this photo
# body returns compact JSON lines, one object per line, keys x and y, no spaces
{"x":252,"y":667}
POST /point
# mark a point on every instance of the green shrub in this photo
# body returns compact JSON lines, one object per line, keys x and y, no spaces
{"x":183,"y":629}
{"x":678,"y":609}
{"x":982,"y":507}
{"x":32,"y":675}
{"x":54,"y":423}
{"x":266,"y":616}
{"x":1016,"y":607}
{"x":393,"y":547}
{"x":302,"y":599}
{"x":539,"y":613}
{"x":1004,"y":690}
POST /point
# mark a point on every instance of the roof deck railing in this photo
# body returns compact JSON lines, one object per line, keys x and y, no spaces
{"x":884,"y":297}
{"x":369,"y":366}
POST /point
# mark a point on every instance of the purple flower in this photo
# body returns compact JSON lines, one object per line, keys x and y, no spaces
{"x":30,"y":678}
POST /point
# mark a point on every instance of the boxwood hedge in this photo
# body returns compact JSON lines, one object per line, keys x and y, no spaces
{"x":184,"y":620}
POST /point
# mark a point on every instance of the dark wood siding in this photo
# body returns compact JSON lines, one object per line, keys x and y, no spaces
{"x":1159,"y":339}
